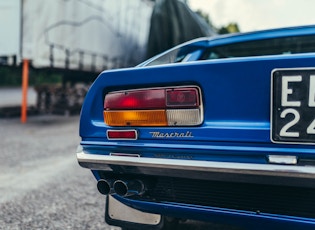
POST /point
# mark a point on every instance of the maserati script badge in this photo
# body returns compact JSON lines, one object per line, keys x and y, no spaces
{"x":171,"y":135}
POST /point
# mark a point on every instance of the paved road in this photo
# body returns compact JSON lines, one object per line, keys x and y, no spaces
{"x":41,"y":184}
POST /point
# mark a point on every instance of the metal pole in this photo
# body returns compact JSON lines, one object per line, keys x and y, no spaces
{"x":24,"y":90}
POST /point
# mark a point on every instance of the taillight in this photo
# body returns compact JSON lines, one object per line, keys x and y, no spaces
{"x":185,"y":97}
{"x":153,"y":107}
{"x":144,"y":99}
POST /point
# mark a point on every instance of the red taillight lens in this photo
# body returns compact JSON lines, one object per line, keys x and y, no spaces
{"x":144,"y":99}
{"x":153,"y":107}
{"x":182,"y":97}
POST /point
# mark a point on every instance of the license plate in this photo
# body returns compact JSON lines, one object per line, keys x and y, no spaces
{"x":293,"y":106}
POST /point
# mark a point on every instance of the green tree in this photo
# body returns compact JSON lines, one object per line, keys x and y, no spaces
{"x":205,"y":16}
{"x":230,"y":28}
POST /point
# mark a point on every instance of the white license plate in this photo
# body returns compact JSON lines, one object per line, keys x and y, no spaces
{"x":293,"y":106}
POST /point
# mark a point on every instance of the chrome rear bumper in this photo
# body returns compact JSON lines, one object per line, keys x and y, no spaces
{"x":290,"y":175}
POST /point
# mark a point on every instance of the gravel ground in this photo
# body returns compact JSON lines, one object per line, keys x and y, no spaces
{"x":41,"y":184}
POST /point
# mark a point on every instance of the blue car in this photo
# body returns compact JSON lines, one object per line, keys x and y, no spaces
{"x":218,"y":129}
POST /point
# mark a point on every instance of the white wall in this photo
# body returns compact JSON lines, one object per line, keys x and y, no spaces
{"x":85,"y":31}
{"x":10,"y":29}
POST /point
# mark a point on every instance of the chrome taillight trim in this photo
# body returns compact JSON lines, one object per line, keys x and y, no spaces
{"x":200,"y":107}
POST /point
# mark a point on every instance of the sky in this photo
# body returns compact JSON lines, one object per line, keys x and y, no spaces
{"x":251,"y":15}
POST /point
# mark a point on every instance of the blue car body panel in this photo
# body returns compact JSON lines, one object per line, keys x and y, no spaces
{"x":236,"y":99}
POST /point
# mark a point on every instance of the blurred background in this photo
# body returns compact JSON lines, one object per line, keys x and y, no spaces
{"x":51,"y":52}
{"x":67,"y":43}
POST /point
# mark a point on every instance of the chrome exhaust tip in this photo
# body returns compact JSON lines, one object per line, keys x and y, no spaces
{"x":105,"y":187}
{"x":129,"y":188}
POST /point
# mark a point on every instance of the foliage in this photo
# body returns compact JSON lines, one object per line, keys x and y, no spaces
{"x":205,"y":16}
{"x":230,"y":28}
{"x":12,"y":76}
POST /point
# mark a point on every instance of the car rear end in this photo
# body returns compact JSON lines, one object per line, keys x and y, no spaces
{"x":210,"y":140}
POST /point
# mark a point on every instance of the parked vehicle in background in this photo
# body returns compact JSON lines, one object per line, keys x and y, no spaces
{"x":55,"y":37}
{"x":218,"y":129}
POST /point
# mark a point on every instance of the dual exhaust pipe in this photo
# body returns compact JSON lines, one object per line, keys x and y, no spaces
{"x":121,"y":187}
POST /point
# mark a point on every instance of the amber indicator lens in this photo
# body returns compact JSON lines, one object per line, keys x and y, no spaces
{"x":136,"y":118}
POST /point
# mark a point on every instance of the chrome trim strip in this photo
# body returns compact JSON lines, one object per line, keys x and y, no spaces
{"x":242,"y":172}
{"x":125,"y":154}
{"x":282,"y":159}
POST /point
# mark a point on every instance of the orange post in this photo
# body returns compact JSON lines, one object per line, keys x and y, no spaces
{"x":24,"y":90}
